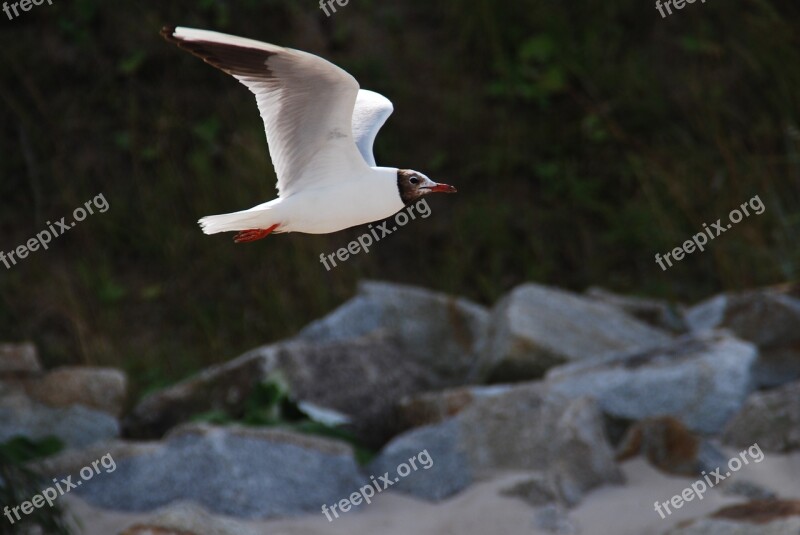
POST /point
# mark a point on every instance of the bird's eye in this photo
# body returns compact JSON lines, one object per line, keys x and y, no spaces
{"x":413,"y":180}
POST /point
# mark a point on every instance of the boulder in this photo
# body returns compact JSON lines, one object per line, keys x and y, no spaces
{"x":766,"y":317}
{"x":432,"y":407}
{"x":438,"y":332}
{"x":535,"y":328}
{"x":767,"y":517}
{"x":102,"y":389}
{"x":701,"y":380}
{"x":654,"y":312}
{"x":75,"y":426}
{"x":771,"y":418}
{"x":361,"y":378}
{"x":19,"y":359}
{"x":669,"y":446}
{"x":236,"y":471}
{"x":526,"y":428}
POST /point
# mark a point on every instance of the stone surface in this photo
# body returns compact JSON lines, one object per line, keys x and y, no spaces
{"x":767,"y":317}
{"x":19,"y":359}
{"x":654,"y":312}
{"x":535,"y":490}
{"x":102,"y":389}
{"x":535,"y":328}
{"x":669,"y":446}
{"x":432,"y":407}
{"x":75,"y":426}
{"x":441,"y":333}
{"x":771,"y":418}
{"x":242,"y":472}
{"x":526,"y":428}
{"x":361,"y":378}
{"x":701,"y":380}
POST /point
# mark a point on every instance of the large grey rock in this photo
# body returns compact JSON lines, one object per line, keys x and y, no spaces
{"x":669,"y":446}
{"x":242,"y":472}
{"x":771,"y":418}
{"x":436,"y":406}
{"x":654,"y":312}
{"x":700,"y":380}
{"x":362,"y":378}
{"x":767,"y":517}
{"x":75,"y":426}
{"x":19,"y":359}
{"x":768,"y":318}
{"x":102,"y":389}
{"x":535,"y":328}
{"x":441,"y":333}
{"x":450,"y":473}
{"x":527,"y":428}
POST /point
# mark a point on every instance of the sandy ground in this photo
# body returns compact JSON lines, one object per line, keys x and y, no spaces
{"x":622,"y":510}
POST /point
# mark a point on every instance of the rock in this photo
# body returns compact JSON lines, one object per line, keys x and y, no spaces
{"x":535,"y":490}
{"x":432,"y":407}
{"x":768,"y":517}
{"x":361,"y":378}
{"x":701,"y":380}
{"x":75,"y":426}
{"x":190,"y":519}
{"x":225,"y":387}
{"x":451,"y":471}
{"x":651,"y":311}
{"x":768,"y":318}
{"x":236,"y":471}
{"x":771,"y":418}
{"x":670,"y":446}
{"x":527,"y":428}
{"x":18,"y":359}
{"x":102,"y":389}
{"x":440,"y":333}
{"x":535,"y":328}
{"x":747,"y":489}
{"x":553,"y":518}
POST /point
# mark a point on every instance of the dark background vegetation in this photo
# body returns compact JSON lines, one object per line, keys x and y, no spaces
{"x":584,"y":137}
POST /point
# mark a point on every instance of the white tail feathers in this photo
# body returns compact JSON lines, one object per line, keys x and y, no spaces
{"x":244,"y":220}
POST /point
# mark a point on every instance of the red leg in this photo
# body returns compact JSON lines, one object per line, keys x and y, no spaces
{"x":254,"y":234}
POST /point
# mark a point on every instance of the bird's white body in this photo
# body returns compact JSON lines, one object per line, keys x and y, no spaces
{"x":320,"y":129}
{"x":363,"y":199}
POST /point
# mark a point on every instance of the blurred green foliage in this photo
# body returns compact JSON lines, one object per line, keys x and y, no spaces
{"x":584,"y":138}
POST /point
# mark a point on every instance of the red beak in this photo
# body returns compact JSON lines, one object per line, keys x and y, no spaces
{"x":443,"y":188}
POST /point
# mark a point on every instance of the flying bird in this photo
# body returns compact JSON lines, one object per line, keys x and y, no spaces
{"x":320,"y":129}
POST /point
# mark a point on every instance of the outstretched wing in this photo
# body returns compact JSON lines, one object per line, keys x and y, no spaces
{"x":371,"y":111}
{"x":305,"y":101}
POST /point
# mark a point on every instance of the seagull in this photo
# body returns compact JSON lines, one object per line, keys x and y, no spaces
{"x":320,"y":130}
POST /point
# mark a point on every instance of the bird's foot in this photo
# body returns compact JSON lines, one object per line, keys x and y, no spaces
{"x":253,"y":234}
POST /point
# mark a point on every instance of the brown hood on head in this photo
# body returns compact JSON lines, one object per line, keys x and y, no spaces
{"x":409,"y":193}
{"x":412,"y":185}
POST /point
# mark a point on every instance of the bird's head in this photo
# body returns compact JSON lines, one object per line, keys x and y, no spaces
{"x":413,"y":185}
